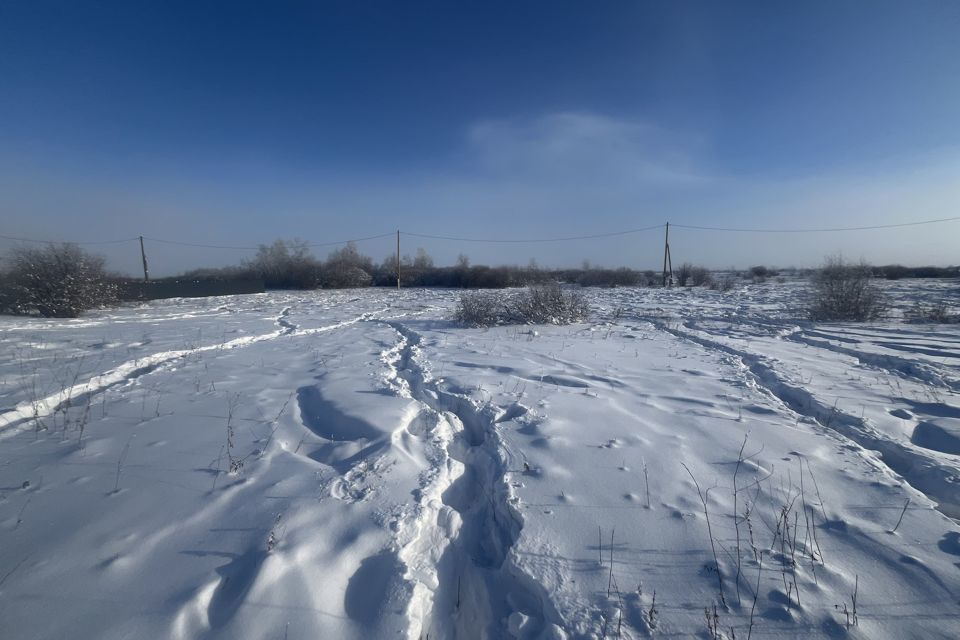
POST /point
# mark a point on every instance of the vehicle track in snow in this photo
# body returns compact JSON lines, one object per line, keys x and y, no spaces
{"x":905,"y":368}
{"x":934,"y":476}
{"x":12,"y":421}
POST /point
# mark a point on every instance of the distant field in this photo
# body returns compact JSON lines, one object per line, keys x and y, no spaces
{"x":352,"y":464}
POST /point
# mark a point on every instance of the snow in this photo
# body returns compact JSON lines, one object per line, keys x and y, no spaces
{"x":394,"y":475}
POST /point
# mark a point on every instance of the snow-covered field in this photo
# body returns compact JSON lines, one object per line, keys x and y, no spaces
{"x":353,"y":465}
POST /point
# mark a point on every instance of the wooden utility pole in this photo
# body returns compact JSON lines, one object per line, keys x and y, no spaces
{"x":143,"y":255}
{"x":667,"y":260}
{"x":398,"y":259}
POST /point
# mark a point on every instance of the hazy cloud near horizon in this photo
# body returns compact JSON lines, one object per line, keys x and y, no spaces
{"x":555,"y":175}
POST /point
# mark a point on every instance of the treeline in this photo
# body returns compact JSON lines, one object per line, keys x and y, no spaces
{"x":62,"y":280}
{"x":897,"y":272}
{"x":287,"y":264}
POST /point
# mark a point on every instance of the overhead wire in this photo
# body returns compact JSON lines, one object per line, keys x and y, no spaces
{"x":814,"y":230}
{"x":611,"y":234}
{"x":252,"y":248}
{"x":21,"y":239}
{"x":534,"y":240}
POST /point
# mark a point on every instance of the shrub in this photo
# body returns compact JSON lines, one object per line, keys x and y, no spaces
{"x":541,"y":304}
{"x":723,"y":284}
{"x":479,"y":309}
{"x":700,"y":276}
{"x":549,"y":304}
{"x":55,"y":281}
{"x":760,"y":273}
{"x":843,"y":291}
{"x":933,"y":313}
{"x":689,"y":273}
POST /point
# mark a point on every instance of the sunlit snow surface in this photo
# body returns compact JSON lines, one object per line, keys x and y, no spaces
{"x":395,"y":475}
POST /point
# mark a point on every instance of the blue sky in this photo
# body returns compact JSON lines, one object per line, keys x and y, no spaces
{"x":234,"y":123}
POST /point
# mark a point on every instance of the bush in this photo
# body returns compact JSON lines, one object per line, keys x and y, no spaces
{"x":723,"y":284}
{"x":700,"y":276}
{"x":843,"y":291}
{"x":760,"y":273}
{"x":541,"y":304}
{"x":689,"y":273}
{"x":55,"y":281}
{"x":480,"y":309}
{"x":934,"y":313}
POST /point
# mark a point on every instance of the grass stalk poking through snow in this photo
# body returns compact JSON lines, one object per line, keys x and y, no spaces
{"x":756,"y":594}
{"x":120,"y":461}
{"x":897,"y":526}
{"x":236,"y":464}
{"x":736,"y":521}
{"x":610,"y":578}
{"x":704,"y":499}
{"x":646,"y":482}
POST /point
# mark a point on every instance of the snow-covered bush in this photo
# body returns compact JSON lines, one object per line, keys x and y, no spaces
{"x":692,"y":274}
{"x":934,"y":313}
{"x":760,"y":273}
{"x":700,"y":277}
{"x":843,"y":291}
{"x":722,"y":284}
{"x":479,"y":309}
{"x":542,"y":304}
{"x":55,"y":281}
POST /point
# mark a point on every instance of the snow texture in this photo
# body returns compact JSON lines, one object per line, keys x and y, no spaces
{"x":354,"y":465}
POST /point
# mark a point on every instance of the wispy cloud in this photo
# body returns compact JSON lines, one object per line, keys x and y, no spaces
{"x":585,"y":148}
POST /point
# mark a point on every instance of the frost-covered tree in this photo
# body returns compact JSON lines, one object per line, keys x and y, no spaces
{"x":55,"y":281}
{"x":347,"y":267}
{"x":286,"y":264}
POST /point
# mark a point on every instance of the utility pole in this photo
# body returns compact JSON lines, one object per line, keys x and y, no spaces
{"x":398,"y":259}
{"x":667,"y":260}
{"x":143,"y":254}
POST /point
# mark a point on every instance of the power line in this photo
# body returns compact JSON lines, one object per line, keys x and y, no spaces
{"x":18,"y":239}
{"x":194,"y":244}
{"x":249,"y":248}
{"x":534,"y":240}
{"x":330,"y":244}
{"x":611,"y":234}
{"x":815,"y":230}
